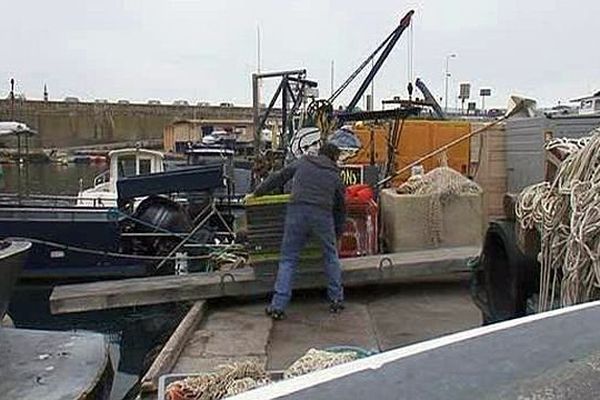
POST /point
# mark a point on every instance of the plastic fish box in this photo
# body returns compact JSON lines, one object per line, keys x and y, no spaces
{"x":360,"y":236}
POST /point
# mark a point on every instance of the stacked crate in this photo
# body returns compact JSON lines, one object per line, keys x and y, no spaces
{"x":265,"y":221}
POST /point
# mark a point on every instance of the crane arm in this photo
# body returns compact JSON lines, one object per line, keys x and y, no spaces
{"x":391,"y":42}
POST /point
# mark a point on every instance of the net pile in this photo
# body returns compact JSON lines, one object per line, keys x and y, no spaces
{"x":316,"y":360}
{"x":566,"y":213}
{"x":442,"y":185}
{"x":227,"y":380}
{"x":233,"y":379}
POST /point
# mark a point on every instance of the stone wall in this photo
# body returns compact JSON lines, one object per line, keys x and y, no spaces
{"x":63,"y":124}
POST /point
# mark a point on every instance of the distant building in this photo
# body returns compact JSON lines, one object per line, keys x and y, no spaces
{"x":177,"y":135}
{"x":588,"y":105}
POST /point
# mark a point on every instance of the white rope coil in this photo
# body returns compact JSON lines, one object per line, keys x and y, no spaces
{"x":566,"y":213}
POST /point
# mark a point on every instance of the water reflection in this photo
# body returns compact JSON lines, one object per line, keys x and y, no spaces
{"x":56,"y":179}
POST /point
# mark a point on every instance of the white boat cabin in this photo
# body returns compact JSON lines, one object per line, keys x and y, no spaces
{"x":123,"y":163}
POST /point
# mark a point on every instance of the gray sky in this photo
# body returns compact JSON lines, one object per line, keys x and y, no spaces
{"x":202,"y":50}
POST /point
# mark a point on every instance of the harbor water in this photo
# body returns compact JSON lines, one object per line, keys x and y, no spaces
{"x":55,"y":179}
{"x":135,"y":334}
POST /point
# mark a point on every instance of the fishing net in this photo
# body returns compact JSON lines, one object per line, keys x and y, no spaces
{"x":316,"y":360}
{"x":233,"y":379}
{"x":441,"y":185}
{"x":227,"y":380}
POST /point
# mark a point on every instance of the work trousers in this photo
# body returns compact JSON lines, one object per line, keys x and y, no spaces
{"x":301,"y":221}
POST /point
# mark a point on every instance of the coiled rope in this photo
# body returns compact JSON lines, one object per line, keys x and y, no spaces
{"x":567,"y":215}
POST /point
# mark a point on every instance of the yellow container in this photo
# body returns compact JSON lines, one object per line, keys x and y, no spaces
{"x":417,"y":138}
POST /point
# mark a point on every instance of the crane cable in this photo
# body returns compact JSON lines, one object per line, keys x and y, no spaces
{"x":393,"y":143}
{"x":358,"y":70}
{"x":410,"y":54}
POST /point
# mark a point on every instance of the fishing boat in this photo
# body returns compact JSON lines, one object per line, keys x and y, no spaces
{"x":73,"y":365}
{"x":239,"y":170}
{"x":126,"y":232}
{"x":39,"y":364}
{"x":126,"y":225}
{"x":123,"y":163}
{"x":12,"y":258}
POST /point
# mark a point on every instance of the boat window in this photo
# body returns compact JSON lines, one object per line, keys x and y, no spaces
{"x":145,"y":166}
{"x":587,"y":104}
{"x":126,"y":166}
{"x":597,"y":106}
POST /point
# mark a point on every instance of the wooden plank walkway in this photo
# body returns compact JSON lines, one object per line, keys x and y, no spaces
{"x":169,"y":354}
{"x":358,"y":271}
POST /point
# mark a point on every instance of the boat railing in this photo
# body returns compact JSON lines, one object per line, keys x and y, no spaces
{"x":48,"y":200}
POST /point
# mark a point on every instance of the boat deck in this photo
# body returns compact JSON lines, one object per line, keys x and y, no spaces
{"x":377,"y":318}
{"x":54,"y":365}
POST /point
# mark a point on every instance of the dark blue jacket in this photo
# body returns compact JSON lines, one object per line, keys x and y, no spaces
{"x":316,"y":181}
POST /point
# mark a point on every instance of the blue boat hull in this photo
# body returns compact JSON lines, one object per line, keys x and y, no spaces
{"x":69,"y":243}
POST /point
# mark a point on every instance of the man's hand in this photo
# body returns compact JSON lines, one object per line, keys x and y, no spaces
{"x":248,"y":197}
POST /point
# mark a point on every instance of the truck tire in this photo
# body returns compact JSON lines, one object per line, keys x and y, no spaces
{"x":505,"y":277}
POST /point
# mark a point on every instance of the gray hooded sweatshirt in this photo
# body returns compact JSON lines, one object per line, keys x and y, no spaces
{"x":315,"y":181}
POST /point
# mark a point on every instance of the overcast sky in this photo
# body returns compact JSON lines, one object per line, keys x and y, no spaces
{"x":202,"y":50}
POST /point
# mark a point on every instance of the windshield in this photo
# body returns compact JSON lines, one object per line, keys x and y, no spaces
{"x":126,"y":166}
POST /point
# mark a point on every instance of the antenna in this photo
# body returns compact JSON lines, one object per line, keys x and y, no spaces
{"x":12,"y":99}
{"x":258,"y":56}
{"x":257,"y":49}
{"x":331,"y":77}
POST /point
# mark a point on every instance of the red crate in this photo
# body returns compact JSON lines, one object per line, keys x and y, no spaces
{"x":360,"y":232}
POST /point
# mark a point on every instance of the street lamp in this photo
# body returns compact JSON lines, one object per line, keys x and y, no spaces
{"x":448,"y":57}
